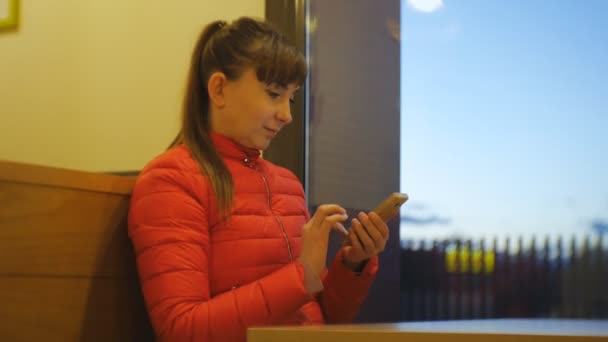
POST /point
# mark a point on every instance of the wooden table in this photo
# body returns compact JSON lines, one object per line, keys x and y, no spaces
{"x":501,"y":330}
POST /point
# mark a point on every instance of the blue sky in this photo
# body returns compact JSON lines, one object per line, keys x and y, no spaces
{"x":504,"y":108}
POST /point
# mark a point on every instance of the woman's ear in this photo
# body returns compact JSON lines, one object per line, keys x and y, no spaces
{"x":215,"y":88}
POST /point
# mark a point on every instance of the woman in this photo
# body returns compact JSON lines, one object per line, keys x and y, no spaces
{"x":223,"y":238}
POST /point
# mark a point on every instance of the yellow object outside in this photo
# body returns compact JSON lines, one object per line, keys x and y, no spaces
{"x":464,"y":261}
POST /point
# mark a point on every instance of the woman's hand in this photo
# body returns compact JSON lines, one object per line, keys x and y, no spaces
{"x":367,"y":236}
{"x":315,"y":238}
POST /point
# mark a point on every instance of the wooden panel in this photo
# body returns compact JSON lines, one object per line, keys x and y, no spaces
{"x":72,"y":309}
{"x":42,"y":175}
{"x":62,"y":231}
{"x":67,"y":269}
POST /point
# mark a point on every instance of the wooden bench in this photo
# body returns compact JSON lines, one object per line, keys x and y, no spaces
{"x":67,"y":269}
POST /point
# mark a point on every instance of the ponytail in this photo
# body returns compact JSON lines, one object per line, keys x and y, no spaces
{"x":195,"y":132}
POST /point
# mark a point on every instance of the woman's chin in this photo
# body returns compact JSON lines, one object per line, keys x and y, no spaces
{"x":263,"y":146}
{"x":260,"y":144}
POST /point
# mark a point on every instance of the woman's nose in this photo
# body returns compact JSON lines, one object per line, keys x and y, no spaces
{"x":284,"y":113}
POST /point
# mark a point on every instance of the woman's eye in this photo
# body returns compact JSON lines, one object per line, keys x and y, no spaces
{"x":273,"y":94}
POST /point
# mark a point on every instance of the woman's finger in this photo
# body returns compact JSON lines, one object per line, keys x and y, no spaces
{"x":324,"y":211}
{"x":355,"y":242}
{"x":340,"y":228}
{"x":381,"y":225}
{"x":367,"y":242}
{"x":372,"y":231}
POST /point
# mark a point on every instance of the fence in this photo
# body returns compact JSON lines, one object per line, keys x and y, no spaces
{"x":453,"y":279}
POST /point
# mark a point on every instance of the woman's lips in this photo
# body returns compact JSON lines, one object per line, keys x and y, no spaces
{"x":273,"y":131}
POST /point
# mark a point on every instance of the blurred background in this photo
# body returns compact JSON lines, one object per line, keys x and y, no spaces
{"x":491,"y":115}
{"x":505,"y":155}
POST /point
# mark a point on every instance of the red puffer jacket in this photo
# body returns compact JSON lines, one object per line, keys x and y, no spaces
{"x":204,"y":281}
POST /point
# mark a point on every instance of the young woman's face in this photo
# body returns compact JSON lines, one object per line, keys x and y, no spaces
{"x":251,"y":112}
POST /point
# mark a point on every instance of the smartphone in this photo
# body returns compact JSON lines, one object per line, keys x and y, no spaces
{"x":389,"y":208}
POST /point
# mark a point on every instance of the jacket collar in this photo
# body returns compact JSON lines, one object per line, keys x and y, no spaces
{"x":231,"y":149}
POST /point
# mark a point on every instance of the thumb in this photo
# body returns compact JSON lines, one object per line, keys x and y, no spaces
{"x":347,"y":250}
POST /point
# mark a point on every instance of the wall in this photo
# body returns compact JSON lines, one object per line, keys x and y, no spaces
{"x":97,"y":85}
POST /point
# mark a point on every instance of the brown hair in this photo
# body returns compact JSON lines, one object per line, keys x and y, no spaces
{"x":231,"y":49}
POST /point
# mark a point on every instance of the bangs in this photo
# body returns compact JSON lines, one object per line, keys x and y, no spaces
{"x":278,"y":62}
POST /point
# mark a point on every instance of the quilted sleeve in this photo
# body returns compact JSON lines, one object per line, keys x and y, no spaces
{"x":169,"y":230}
{"x":344,"y":290}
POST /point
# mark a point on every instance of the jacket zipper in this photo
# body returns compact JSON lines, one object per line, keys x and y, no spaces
{"x":280,"y":224}
{"x":247,"y":163}
{"x":276,"y":218}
